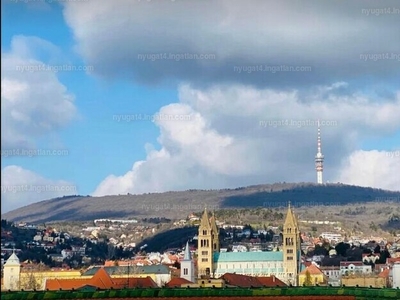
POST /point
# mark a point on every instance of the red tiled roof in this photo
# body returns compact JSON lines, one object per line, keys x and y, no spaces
{"x":101,"y":280}
{"x":384,"y":273}
{"x":177,"y":282}
{"x":312,"y":269}
{"x":240,"y":280}
{"x":145,"y":282}
{"x":271,"y":281}
{"x":392,"y":260}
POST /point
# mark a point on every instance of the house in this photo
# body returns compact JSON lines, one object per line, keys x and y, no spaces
{"x":178,"y":282}
{"x":100,"y":280}
{"x":312,"y":275}
{"x":332,"y":273}
{"x":238,"y":280}
{"x":56,"y":257}
{"x":353,"y":267}
{"x":365,"y":280}
{"x":160,"y":274}
{"x":17,"y":276}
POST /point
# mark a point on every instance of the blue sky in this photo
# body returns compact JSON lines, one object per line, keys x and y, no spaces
{"x":350,"y":85}
{"x":94,"y":141}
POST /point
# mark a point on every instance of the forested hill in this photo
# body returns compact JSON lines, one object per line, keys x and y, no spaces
{"x":179,"y":204}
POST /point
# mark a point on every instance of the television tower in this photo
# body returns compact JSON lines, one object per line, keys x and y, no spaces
{"x":319,"y":158}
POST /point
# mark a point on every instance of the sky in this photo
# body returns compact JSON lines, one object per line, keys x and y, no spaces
{"x":106,"y":97}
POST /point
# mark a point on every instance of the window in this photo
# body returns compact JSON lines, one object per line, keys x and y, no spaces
{"x":289,"y":251}
{"x":290,"y":258}
{"x":204,"y":252}
{"x":185,"y":271}
{"x":204,"y":232}
{"x":204,"y":259}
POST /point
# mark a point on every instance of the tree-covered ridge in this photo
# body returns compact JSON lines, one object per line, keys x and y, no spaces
{"x":174,"y":205}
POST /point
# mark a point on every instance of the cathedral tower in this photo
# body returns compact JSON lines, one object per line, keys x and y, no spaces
{"x":205,"y":247}
{"x":291,"y":247}
{"x":215,"y":234}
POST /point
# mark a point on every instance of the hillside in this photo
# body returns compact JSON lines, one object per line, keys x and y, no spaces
{"x":174,"y":205}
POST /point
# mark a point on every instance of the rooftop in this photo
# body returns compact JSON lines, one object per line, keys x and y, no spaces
{"x":248,"y":256}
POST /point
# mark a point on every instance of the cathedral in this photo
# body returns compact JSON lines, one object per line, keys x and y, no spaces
{"x":284,"y":264}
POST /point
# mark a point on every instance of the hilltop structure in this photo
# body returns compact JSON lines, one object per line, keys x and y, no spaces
{"x":285,"y":264}
{"x":319,"y":158}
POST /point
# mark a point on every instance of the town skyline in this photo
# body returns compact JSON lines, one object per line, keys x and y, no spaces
{"x":170,"y":96}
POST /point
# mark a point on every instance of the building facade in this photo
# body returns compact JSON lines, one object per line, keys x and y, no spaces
{"x":11,"y":273}
{"x":284,"y":264}
{"x":396,"y":276}
{"x":187,"y":265}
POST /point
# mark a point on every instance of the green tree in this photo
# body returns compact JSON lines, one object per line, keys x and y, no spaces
{"x":308,"y":279}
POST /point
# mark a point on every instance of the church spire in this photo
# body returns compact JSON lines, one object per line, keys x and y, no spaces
{"x":187,"y":255}
{"x":290,"y":217}
{"x":205,"y":220}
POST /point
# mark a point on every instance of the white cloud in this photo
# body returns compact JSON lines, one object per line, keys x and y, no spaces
{"x":21,"y":187}
{"x":239,"y":135}
{"x":33,"y":101}
{"x":378,"y":169}
{"x":328,"y":37}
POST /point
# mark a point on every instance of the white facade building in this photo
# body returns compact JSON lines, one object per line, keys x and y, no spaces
{"x":11,"y":272}
{"x":353,"y":267}
{"x":336,"y":237}
{"x":396,"y":275}
{"x":187,"y":265}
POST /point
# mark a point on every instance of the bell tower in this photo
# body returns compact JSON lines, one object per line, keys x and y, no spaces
{"x":205,"y":247}
{"x":187,"y":266}
{"x":291,"y":248}
{"x":215,"y":234}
